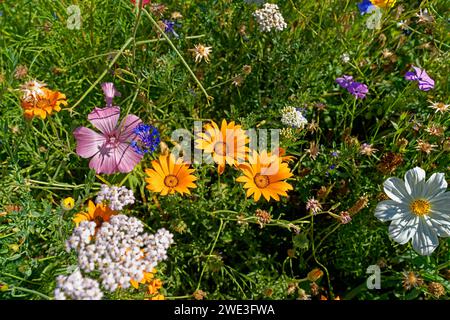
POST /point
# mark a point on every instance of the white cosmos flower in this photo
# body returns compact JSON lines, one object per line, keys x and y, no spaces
{"x":419,"y":209}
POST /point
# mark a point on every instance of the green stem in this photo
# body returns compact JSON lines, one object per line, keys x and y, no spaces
{"x":31,"y":291}
{"x":222,"y":225}
{"x":179,"y":297}
{"x":208,"y":97}
{"x":17,"y":278}
{"x":317,"y":261}
{"x":160,"y":39}
{"x":353,"y":114}
{"x":113,"y":61}
{"x":136,"y":24}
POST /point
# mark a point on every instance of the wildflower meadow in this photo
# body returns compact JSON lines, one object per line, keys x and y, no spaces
{"x":224,"y":150}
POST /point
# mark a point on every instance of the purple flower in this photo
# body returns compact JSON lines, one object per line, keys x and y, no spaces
{"x":365,"y":6}
{"x":335,"y":154}
{"x":421,"y":76}
{"x":345,"y":81}
{"x":359,"y":90}
{"x":110,"y":92}
{"x":169,"y":27}
{"x":110,"y":150}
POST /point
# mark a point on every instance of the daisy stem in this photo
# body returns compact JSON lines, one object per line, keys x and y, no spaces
{"x":218,"y":184}
{"x":18,"y":278}
{"x":224,"y":211}
{"x":136,"y":24}
{"x":103,"y":180}
{"x":353,"y":114}
{"x":159,"y":39}
{"x":317,"y":261}
{"x":221,"y":227}
{"x":208,"y":97}
{"x":113,"y":61}
{"x":31,"y":291}
{"x":179,"y":297}
{"x":124,"y":179}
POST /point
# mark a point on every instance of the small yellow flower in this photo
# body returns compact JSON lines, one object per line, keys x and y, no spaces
{"x":68,"y":203}
{"x":158,"y":297}
{"x":384,"y":3}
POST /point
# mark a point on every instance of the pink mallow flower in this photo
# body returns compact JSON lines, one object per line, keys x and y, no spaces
{"x":110,"y":91}
{"x":110,"y":150}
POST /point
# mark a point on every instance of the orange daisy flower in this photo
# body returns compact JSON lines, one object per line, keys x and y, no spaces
{"x":39,"y":101}
{"x":157,"y":284}
{"x":170,"y":175}
{"x":284,"y":158}
{"x":147,"y":278}
{"x":227,"y":145}
{"x":98,"y":213}
{"x":264,"y":175}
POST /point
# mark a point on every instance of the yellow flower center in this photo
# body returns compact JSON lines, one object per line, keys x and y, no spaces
{"x":220,"y":148}
{"x":420,"y":207}
{"x":42,"y":103}
{"x":201,"y":50}
{"x":171,"y":181}
{"x":261,"y":181}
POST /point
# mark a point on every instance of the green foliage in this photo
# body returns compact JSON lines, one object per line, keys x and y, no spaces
{"x":220,"y":245}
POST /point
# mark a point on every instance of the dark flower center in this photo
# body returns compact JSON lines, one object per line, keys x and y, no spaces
{"x":171,"y":181}
{"x":261,"y":181}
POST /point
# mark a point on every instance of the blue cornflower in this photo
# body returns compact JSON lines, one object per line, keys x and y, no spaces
{"x":169,"y":27}
{"x":365,"y":6}
{"x":147,"y":139}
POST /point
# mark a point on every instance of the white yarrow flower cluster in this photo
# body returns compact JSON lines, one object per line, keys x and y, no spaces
{"x":120,"y":250}
{"x":116,"y":197}
{"x":81,"y":236}
{"x":269,"y":18}
{"x":76,"y":287}
{"x":292,"y":117}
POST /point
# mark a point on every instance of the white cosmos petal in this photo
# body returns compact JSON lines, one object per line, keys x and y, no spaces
{"x":436,"y":185}
{"x":441,"y":203}
{"x":403,"y":229}
{"x":390,"y":210}
{"x":415,"y":182}
{"x":395,"y":189}
{"x":441,"y":226}
{"x":425,"y":240}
